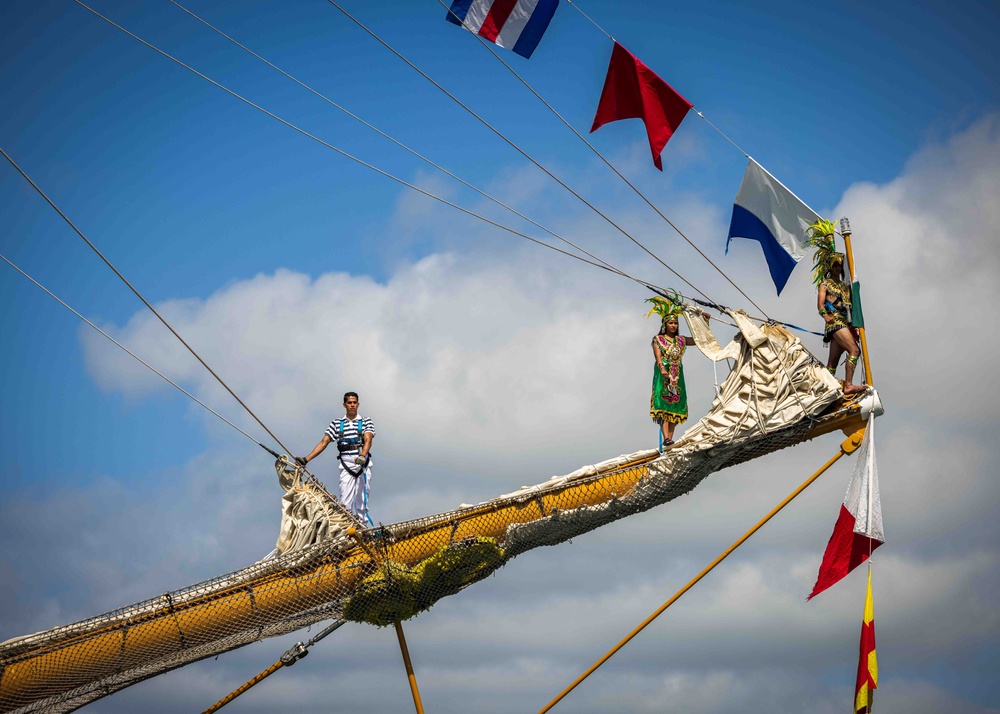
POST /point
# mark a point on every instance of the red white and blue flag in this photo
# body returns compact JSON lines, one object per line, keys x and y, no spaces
{"x":516,"y":25}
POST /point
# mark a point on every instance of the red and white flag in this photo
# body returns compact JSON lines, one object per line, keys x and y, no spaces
{"x":634,"y":91}
{"x":859,"y":528}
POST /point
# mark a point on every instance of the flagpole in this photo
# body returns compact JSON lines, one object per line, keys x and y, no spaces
{"x":845,"y":230}
{"x":848,"y":446}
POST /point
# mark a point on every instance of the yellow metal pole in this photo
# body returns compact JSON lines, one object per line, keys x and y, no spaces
{"x":410,"y":676}
{"x":846,"y":232}
{"x":293,"y":655}
{"x":848,"y":446}
{"x":256,"y":680}
{"x":409,"y":670}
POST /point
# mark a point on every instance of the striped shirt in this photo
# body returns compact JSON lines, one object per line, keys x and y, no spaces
{"x":350,"y":431}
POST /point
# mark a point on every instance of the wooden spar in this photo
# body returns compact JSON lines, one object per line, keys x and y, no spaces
{"x":76,"y":660}
{"x":86,"y":654}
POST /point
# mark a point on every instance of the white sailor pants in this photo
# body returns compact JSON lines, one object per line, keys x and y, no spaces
{"x":354,"y":489}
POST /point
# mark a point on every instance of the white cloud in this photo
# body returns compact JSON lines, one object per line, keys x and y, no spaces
{"x":930,"y":261}
{"x":449,"y":357}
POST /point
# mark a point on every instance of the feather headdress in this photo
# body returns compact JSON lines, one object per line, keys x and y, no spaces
{"x":820,"y":235}
{"x":670,"y":306}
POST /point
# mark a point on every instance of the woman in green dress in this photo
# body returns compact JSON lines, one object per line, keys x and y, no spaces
{"x":668,"y":402}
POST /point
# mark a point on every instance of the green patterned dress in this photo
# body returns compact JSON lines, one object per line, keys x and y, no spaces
{"x":669,"y":399}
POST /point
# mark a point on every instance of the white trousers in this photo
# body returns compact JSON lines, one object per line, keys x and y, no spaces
{"x":354,"y":490}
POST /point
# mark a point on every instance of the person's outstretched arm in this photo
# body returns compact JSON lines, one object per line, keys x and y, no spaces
{"x":318,"y":449}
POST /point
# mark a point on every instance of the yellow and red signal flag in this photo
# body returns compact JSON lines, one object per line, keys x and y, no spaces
{"x":864,"y":690}
{"x":634,"y":91}
{"x":859,"y":527}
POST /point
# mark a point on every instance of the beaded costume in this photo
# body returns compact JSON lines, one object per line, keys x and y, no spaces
{"x":668,"y":401}
{"x":838,"y":306}
{"x":838,"y":294}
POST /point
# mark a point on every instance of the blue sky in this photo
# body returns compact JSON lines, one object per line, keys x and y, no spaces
{"x":300,"y":274}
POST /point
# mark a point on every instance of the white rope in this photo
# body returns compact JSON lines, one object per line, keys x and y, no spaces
{"x":142,"y":299}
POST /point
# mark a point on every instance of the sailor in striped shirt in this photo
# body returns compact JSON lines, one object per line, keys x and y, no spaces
{"x":353,"y":435}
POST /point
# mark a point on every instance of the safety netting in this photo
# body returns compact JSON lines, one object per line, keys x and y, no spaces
{"x":326,"y":566}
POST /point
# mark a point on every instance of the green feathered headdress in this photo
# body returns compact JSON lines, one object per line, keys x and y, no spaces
{"x":820,"y":234}
{"x":667,"y":307}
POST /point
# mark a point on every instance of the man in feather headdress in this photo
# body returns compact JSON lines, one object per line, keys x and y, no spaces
{"x":834,"y":302}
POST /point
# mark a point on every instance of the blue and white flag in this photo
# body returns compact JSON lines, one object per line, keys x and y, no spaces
{"x":517,"y":25}
{"x":767,"y":212}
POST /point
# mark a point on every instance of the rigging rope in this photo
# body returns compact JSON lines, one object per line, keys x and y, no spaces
{"x":374,"y":168}
{"x":517,"y":148}
{"x":707,"y":121}
{"x":708,"y":302}
{"x":140,"y":296}
{"x":577,"y":8}
{"x":486,"y":195}
{"x":600,"y":264}
{"x":490,"y":46}
{"x":400,"y":144}
{"x":722,"y":309}
{"x":135,"y":356}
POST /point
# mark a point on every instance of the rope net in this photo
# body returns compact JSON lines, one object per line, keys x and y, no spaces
{"x":777,"y":395}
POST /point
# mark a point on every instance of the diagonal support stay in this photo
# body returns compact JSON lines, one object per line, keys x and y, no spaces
{"x":849,"y":445}
{"x":293,"y":655}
